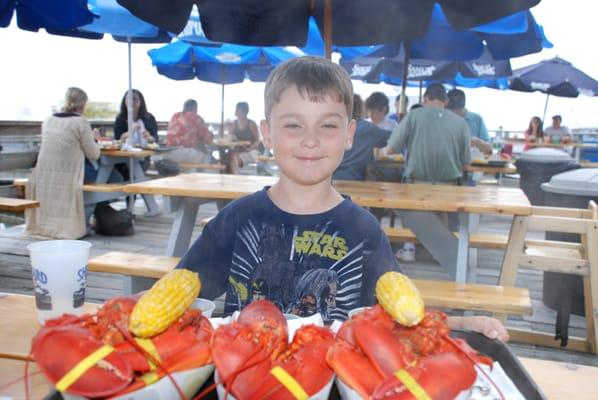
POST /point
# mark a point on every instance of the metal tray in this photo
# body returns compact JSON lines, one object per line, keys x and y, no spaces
{"x":500,"y":352}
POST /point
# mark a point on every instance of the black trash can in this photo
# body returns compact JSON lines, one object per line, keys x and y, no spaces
{"x":537,"y":166}
{"x":564,"y":292}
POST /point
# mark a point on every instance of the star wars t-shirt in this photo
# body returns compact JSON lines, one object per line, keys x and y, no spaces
{"x":326,"y":263}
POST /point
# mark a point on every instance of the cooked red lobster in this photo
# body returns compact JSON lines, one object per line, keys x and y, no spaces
{"x":381,"y":359}
{"x":121,"y":365}
{"x":251,"y":353}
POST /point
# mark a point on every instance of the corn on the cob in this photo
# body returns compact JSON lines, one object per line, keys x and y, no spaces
{"x":400,"y":298}
{"x":166,"y":301}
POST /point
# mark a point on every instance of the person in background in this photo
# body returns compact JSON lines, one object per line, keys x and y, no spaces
{"x":416,"y":106}
{"x":377,"y":109}
{"x":244,"y":129}
{"x":533,"y":133}
{"x":437,"y":143}
{"x":57,"y":179}
{"x":479,"y":134}
{"x":309,"y":231}
{"x":396,"y":116}
{"x":367,"y":137}
{"x":143,"y":122}
{"x":188,"y":131}
{"x":556,"y":130}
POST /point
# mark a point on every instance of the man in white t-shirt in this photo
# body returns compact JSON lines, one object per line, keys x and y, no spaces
{"x":557,"y":129}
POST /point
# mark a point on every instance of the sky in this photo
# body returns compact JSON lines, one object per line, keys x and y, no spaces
{"x":36,"y":68}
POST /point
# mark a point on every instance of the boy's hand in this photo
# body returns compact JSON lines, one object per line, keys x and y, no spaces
{"x":487,"y":326}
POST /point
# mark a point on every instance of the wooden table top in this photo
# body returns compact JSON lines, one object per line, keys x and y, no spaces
{"x":12,"y":204}
{"x":12,"y":371}
{"x":421,"y":197}
{"x":21,"y":326}
{"x":560,"y":380}
{"x":127,"y":153}
{"x":475,"y":166}
{"x":230,"y":143}
{"x":558,"y":145}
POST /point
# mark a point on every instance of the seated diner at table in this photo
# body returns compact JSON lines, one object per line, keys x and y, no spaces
{"x":243,"y":129}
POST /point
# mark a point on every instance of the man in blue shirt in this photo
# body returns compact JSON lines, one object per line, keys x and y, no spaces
{"x":477,"y":128}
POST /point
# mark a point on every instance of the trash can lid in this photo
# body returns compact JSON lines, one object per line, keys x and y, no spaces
{"x":545,"y":154}
{"x":579,"y":182}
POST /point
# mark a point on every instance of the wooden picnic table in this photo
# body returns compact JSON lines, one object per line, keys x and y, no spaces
{"x":577,"y":146}
{"x":483,"y":166}
{"x":557,"y":380}
{"x":21,"y":326}
{"x":16,"y":205}
{"x":133,"y":158}
{"x":189,"y":190}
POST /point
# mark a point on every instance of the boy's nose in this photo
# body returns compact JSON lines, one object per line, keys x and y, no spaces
{"x":311,"y":138}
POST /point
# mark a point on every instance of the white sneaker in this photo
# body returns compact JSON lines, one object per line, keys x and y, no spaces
{"x":406,"y":255}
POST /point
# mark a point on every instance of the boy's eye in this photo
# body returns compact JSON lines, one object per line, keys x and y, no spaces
{"x":330,"y":125}
{"x":291,"y":125}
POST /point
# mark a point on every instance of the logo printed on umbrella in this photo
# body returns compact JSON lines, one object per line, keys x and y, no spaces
{"x":228,"y":57}
{"x":360,"y":70}
{"x":415,"y":71}
{"x":540,"y":85}
{"x":484,"y":69}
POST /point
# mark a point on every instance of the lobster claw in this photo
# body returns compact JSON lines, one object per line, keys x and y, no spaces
{"x":106,"y":377}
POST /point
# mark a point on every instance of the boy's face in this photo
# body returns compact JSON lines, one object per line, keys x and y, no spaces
{"x":308,"y":138}
{"x":376,"y":115}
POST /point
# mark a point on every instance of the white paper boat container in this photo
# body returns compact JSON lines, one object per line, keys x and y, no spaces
{"x":189,"y":381}
{"x":206,"y":306}
{"x":321,"y":395}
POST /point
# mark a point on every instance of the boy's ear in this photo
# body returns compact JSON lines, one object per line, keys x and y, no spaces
{"x":350,"y":134}
{"x":266,"y":134}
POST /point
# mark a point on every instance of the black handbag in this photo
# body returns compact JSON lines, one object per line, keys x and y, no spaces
{"x":111,"y":222}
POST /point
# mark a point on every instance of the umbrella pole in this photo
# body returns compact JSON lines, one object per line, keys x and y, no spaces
{"x":403,"y":103}
{"x":130,"y":109}
{"x":222,"y":79}
{"x":545,"y":107}
{"x":421,"y":85}
{"x":328,"y":28}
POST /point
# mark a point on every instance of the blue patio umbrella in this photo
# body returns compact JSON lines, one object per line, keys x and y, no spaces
{"x":226,"y":64}
{"x":391,"y":70}
{"x":555,"y":77}
{"x":32,"y":15}
{"x":345,"y":23}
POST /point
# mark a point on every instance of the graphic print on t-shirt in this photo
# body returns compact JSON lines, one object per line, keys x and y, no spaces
{"x":302,"y":271}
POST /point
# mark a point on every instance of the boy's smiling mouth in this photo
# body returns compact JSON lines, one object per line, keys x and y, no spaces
{"x":309,"y":158}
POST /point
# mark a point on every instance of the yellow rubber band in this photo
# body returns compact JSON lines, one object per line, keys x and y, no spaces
{"x":289,"y":382}
{"x":75,"y":373}
{"x":148,"y":345}
{"x":411,"y":384}
{"x":150,"y":378}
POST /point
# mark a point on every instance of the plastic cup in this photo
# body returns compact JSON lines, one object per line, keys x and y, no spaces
{"x":206,"y":306}
{"x":59,"y":269}
{"x":356,"y":311}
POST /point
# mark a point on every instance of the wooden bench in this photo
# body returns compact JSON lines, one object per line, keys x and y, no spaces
{"x":87,"y":187}
{"x":16,"y":205}
{"x":556,"y":256}
{"x":439,"y":294}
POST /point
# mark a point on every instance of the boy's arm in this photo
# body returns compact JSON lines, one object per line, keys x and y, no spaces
{"x":210,"y":257}
{"x":487,"y":326}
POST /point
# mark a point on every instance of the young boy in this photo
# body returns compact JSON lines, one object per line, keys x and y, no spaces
{"x":299,"y":243}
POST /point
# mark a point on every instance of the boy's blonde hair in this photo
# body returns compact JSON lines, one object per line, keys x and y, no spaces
{"x":315,"y":77}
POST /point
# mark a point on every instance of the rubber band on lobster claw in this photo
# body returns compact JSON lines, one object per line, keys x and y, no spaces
{"x":289,"y":383}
